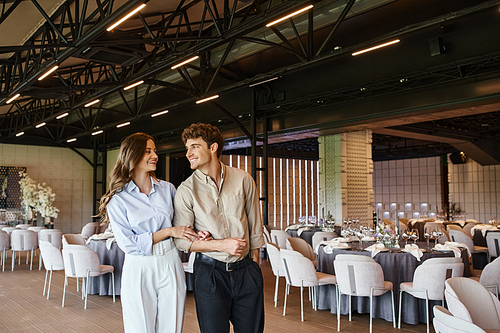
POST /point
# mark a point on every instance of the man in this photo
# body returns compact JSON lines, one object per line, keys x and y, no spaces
{"x":228,"y":284}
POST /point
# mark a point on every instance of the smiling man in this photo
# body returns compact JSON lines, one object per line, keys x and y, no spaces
{"x":222,"y":200}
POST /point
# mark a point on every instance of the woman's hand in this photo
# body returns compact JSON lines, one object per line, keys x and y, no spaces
{"x":184,"y":232}
{"x":204,"y":236}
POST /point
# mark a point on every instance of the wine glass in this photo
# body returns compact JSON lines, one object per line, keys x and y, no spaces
{"x":427,"y":236}
{"x":405,"y":236}
{"x":414,"y":235}
{"x":440,"y":233}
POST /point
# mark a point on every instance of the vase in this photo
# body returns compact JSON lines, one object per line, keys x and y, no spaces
{"x":48,"y":221}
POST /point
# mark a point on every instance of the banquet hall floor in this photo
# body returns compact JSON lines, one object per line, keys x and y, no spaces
{"x":24,"y":309}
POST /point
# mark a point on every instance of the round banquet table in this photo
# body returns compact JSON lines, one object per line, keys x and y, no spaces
{"x":307,"y":235}
{"x":101,"y":285}
{"x":479,"y":239}
{"x":398,"y":267}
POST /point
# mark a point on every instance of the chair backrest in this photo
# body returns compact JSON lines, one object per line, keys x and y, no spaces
{"x":90,"y":229}
{"x":74,"y":239}
{"x":23,"y":240}
{"x":460,"y":237}
{"x":356,"y":277}
{"x":445,"y":322}
{"x":468,"y":228}
{"x":454,"y":227}
{"x":279,"y":237}
{"x":267,"y":235}
{"x":299,"y":271}
{"x":353,"y":257}
{"x":51,"y":256}
{"x":493,"y":243}
{"x":300,"y":245}
{"x":321,"y":236}
{"x":273,"y":252}
{"x":491,"y":274}
{"x":469,"y":300}
{"x":9,"y":229}
{"x":36,"y":229}
{"x":78,"y":259}
{"x":103,"y":227}
{"x":432,"y":274}
{"x":4,"y":240}
{"x":404,"y":220}
{"x":53,"y":236}
{"x":24,"y":226}
{"x":442,"y":260}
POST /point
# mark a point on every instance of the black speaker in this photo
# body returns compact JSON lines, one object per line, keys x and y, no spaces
{"x":436,"y":45}
{"x":458,"y":158}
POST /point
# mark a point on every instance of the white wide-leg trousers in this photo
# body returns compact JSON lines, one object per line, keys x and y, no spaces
{"x":153,"y":291}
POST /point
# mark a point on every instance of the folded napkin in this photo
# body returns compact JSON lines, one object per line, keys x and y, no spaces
{"x":459,"y":245}
{"x":447,"y":247}
{"x":368,"y":239}
{"x":293,"y":227}
{"x":414,"y":250}
{"x":336,"y":243}
{"x":375,"y":249}
{"x":301,"y":230}
{"x":95,"y":236}
{"x":110,"y":242}
{"x":461,"y":222}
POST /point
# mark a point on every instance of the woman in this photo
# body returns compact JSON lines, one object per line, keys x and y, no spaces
{"x":140,"y":209}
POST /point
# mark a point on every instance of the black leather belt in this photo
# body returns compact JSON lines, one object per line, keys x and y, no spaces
{"x":226,"y":266}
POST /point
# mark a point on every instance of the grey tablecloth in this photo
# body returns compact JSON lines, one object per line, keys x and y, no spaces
{"x":101,"y":285}
{"x":398,"y":268}
{"x":307,"y":235}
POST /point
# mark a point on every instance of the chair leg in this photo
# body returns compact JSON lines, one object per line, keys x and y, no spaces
{"x":31,"y":263}
{"x":27,"y":258}
{"x":400,"y":302}
{"x":3,"y":260}
{"x":302,"y":301}
{"x":286,"y":294}
{"x":40,"y":262}
{"x":350,"y":308}
{"x":13,"y":259}
{"x":427,"y":309}
{"x":86,"y":281}
{"x":276,"y":290}
{"x":393,"y":310}
{"x":338,"y":311}
{"x":45,"y":283}
{"x":371,"y":310}
{"x":113,"y":284}
{"x":77,"y":285}
{"x":64,"y":291}
{"x":50,"y":282}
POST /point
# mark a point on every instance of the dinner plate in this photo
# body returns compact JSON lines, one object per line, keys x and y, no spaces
{"x":382,"y":250}
{"x":100,"y":237}
{"x":340,"y":247}
{"x":442,"y":250}
{"x":405,"y":250}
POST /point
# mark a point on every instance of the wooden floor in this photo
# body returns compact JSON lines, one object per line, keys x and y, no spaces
{"x":24,"y":309}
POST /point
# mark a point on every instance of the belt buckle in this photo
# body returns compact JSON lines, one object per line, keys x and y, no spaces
{"x":227,"y":268}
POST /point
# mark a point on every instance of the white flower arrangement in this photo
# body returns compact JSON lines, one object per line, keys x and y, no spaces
{"x":38,"y":196}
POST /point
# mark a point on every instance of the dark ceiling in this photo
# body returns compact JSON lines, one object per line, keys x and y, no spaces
{"x":435,"y":91}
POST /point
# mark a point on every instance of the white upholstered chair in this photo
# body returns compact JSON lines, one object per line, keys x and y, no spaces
{"x":445,"y":322}
{"x":9,"y":229}
{"x":472,"y":302}
{"x":24,"y":226}
{"x":82,"y":262}
{"x":321,"y":236}
{"x":359,"y":275}
{"x":23,"y":240}
{"x":4,"y":246}
{"x":493,"y":243}
{"x":300,"y":272}
{"x":460,"y":237}
{"x":490,"y":276}
{"x":103,"y":227}
{"x":279,"y":237}
{"x":428,"y":281}
{"x":53,"y":236}
{"x":90,"y":229}
{"x":303,"y":247}
{"x":72,"y":239}
{"x":189,"y":265}
{"x":277,"y":266}
{"x":52,"y":261}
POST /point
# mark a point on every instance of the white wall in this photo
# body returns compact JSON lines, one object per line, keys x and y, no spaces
{"x":69,"y":175}
{"x":409,"y":181}
{"x":475,"y":189}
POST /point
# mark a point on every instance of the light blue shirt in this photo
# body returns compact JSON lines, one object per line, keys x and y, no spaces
{"x":134,"y":216}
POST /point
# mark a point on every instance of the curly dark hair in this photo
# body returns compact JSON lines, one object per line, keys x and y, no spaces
{"x":207,"y":132}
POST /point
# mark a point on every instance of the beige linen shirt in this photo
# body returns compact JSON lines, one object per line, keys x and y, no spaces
{"x":234,"y":211}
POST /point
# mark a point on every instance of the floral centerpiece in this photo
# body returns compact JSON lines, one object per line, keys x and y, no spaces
{"x":37,"y":196}
{"x":386,"y":235}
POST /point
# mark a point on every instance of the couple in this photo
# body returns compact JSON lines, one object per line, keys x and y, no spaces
{"x":216,"y":215}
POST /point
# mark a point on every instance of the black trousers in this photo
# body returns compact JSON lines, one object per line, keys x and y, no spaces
{"x":235,"y":296}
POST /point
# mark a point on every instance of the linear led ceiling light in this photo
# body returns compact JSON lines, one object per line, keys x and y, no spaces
{"x":376,"y":47}
{"x":71,"y":140}
{"x":62,"y":115}
{"x":20,"y":133}
{"x":123,"y":124}
{"x":159,"y":113}
{"x":184,"y":62}
{"x":97,"y":132}
{"x":256,"y":84}
{"x":13,"y":98}
{"x":133,"y":85}
{"x":92,"y":103}
{"x":289,"y":15}
{"x":40,"y":125}
{"x":126,"y":17}
{"x":47,"y":73}
{"x":207,"y":99}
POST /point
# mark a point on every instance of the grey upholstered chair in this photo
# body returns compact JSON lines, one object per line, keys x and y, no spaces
{"x":428,"y":281}
{"x":300,"y":272}
{"x":52,"y":261}
{"x":82,"y":262}
{"x":359,"y":275}
{"x":445,"y":322}
{"x":470,"y":301}
{"x":277,"y":266}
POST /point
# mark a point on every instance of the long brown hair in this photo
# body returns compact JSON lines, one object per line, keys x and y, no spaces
{"x":131,"y":152}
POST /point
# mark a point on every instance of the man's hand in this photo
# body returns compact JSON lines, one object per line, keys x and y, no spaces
{"x":204,"y":236}
{"x":183,"y":232}
{"x":233,"y":246}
